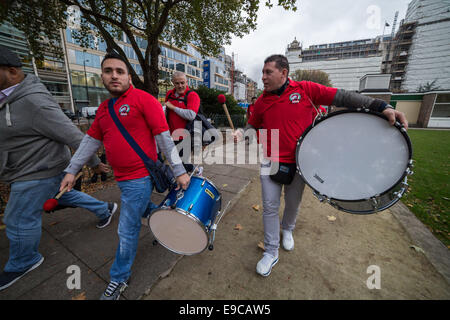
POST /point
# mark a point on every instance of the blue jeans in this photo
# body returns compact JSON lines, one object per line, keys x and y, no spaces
{"x":135,"y":202}
{"x":23,"y":217}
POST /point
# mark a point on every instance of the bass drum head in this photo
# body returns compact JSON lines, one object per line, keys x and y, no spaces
{"x":353,"y":155}
{"x":178,"y":232}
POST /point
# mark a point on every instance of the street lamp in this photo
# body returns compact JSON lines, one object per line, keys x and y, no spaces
{"x":85,"y":76}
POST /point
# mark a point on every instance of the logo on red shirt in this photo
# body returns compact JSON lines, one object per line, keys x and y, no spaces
{"x":295,"y":97}
{"x":123,"y":110}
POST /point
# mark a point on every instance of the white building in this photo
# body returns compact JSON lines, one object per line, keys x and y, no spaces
{"x":344,"y":62}
{"x":429,"y":54}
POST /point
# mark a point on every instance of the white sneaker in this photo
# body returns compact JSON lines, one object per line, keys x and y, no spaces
{"x":264,"y":266}
{"x":288,"y":240}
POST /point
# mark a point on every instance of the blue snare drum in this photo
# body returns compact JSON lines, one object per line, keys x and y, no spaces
{"x":184,"y":221}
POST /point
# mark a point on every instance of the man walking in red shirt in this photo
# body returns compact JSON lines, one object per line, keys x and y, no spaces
{"x":143,"y":117}
{"x":182,"y":105}
{"x":286,"y":106}
{"x":250,"y":108}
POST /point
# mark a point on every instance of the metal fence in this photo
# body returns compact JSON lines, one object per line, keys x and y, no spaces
{"x":220,"y":120}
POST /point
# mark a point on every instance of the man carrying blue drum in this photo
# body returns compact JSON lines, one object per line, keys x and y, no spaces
{"x":142,"y":116}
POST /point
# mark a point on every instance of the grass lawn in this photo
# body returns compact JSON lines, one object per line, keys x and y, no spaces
{"x":429,"y":192}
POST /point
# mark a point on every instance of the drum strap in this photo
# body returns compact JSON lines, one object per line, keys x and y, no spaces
{"x":160,"y":174}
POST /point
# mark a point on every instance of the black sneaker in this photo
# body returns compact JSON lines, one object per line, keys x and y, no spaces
{"x":112,"y":207}
{"x":114,"y":290}
{"x":8,"y":278}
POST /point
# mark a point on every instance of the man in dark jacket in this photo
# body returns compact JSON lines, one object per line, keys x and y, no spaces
{"x":34,"y":139}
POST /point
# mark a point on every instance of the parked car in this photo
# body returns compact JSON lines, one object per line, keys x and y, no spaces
{"x":89,"y":112}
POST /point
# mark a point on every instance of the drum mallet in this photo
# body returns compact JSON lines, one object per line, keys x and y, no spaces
{"x":51,"y":204}
{"x":222,"y":100}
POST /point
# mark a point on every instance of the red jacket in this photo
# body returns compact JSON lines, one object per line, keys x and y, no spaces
{"x":173,"y":119}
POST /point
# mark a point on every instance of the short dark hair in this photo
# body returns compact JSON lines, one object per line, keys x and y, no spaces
{"x":115,"y":55}
{"x":281,"y":62}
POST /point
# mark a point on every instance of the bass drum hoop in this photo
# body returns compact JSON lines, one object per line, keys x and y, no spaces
{"x":188,"y":215}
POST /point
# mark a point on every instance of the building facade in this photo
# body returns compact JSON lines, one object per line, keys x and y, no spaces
{"x":52,"y":70}
{"x":428,"y":57}
{"x":344,"y":62}
{"x":75,"y":79}
{"x":215,"y":73}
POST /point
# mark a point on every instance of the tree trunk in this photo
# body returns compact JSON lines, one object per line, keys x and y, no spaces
{"x":151,"y":77}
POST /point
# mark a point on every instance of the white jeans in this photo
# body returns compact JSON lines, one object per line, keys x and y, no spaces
{"x":271,"y":196}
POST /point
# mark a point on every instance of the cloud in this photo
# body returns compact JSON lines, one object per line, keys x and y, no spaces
{"x":314,"y":22}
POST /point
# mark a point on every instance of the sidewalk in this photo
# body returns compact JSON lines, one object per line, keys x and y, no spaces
{"x":69,"y":237}
{"x":329,"y":261}
{"x":330,"y":258}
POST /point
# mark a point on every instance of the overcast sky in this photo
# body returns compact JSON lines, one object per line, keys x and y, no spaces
{"x":314,"y":22}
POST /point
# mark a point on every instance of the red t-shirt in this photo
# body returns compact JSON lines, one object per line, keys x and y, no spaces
{"x":143,"y":117}
{"x":173,"y":119}
{"x":250,"y":111}
{"x":291,"y":113}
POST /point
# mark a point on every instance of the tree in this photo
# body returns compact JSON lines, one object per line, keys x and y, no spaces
{"x":427,"y":87}
{"x":208,"y":23}
{"x":312,"y":75}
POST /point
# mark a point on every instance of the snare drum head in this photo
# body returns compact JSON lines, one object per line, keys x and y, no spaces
{"x":178,"y":232}
{"x":353,"y":156}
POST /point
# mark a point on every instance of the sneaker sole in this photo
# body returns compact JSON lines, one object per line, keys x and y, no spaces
{"x":37,"y":264}
{"x":270,"y":270}
{"x":110,"y":217}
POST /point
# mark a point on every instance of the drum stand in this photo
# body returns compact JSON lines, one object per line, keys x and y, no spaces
{"x":212,"y":235}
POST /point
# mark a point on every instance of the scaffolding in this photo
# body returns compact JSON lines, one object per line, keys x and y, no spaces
{"x":428,"y":59}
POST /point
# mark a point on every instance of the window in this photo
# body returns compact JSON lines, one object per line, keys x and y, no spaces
{"x":181,"y":67}
{"x":441,"y":107}
{"x":91,"y":60}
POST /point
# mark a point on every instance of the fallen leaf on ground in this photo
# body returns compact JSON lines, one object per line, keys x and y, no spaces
{"x":81,"y":296}
{"x":238,"y":227}
{"x":255,"y":207}
{"x":54,"y":223}
{"x":418,"y":249}
{"x":331,"y":218}
{"x":261,"y":245}
{"x":225,"y":185}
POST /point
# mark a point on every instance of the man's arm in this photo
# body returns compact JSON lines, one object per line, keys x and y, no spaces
{"x":353,"y":100}
{"x":54,"y":124}
{"x":187,"y":114}
{"x":166,"y":146}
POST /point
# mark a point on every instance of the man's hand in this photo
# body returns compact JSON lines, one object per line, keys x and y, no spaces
{"x":393,"y":115}
{"x":102,"y":168}
{"x":69,"y":181}
{"x":170,"y":105}
{"x":183,"y":181}
{"x":237,"y":135}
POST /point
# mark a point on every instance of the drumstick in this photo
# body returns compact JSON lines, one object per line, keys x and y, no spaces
{"x":51,"y":204}
{"x":222,"y":100}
